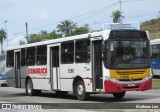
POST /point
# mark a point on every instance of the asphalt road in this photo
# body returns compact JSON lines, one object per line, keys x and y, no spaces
{"x":95,"y":102}
{"x":18,"y":95}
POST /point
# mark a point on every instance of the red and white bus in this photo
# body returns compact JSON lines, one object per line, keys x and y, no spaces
{"x":84,"y":64}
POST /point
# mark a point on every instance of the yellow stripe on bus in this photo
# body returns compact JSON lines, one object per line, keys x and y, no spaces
{"x":130,"y":74}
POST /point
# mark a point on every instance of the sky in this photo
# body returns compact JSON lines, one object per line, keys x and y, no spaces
{"x":46,"y":14}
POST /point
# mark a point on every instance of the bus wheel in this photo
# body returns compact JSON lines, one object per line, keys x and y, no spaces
{"x":119,"y":95}
{"x":61,"y":92}
{"x":80,"y":91}
{"x":29,"y":88}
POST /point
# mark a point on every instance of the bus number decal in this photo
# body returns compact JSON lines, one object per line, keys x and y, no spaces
{"x":71,"y":70}
{"x":124,"y":76}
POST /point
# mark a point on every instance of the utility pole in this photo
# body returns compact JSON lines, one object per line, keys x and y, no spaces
{"x":120,"y":9}
{"x":27,"y":31}
{"x":120,"y":2}
{"x":5,"y":23}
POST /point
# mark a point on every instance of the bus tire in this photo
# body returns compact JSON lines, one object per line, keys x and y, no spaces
{"x":29,"y":88}
{"x":119,"y":95}
{"x":81,"y":93}
{"x":61,"y":92}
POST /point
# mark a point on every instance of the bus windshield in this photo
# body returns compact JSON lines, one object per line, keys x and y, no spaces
{"x":127,"y":54}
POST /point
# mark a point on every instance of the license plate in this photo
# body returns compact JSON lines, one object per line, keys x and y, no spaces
{"x":131,"y":85}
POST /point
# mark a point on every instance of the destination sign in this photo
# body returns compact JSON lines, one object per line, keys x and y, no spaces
{"x":111,"y":26}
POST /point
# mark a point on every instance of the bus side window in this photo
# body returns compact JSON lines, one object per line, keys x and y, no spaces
{"x":155,"y":52}
{"x":82,"y":54}
{"x":67,"y":52}
{"x":41,"y":55}
{"x":23,"y":57}
{"x":31,"y":56}
{"x":10,"y":58}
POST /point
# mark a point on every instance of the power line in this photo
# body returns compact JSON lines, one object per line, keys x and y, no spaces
{"x":89,"y":23}
{"x":103,"y":8}
{"x":147,"y":14}
{"x":97,"y":12}
{"x":93,"y":13}
{"x":90,"y":12}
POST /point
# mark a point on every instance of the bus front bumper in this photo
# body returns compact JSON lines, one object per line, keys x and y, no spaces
{"x":112,"y":87}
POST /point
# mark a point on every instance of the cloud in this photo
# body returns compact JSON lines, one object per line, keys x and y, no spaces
{"x":43,"y":16}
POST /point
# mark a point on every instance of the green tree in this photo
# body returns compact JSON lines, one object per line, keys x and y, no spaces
{"x":117,"y":16}
{"x":41,"y":36}
{"x":54,"y":35}
{"x":81,"y":30}
{"x":33,"y":38}
{"x":66,"y":27}
{"x":3,"y":36}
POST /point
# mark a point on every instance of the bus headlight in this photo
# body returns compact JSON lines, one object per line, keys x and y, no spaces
{"x":111,"y":79}
{"x":148,"y":77}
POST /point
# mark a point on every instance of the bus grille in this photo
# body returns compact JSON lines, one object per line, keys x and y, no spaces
{"x":130,"y":72}
{"x":129,"y":79}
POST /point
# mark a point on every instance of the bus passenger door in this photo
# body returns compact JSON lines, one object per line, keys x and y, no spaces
{"x":17,"y":70}
{"x":54,"y":70}
{"x":97,"y":65}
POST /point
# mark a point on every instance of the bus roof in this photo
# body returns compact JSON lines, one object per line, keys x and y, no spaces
{"x":104,"y":34}
{"x":46,"y":42}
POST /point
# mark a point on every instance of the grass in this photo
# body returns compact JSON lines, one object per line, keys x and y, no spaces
{"x":155,"y":83}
